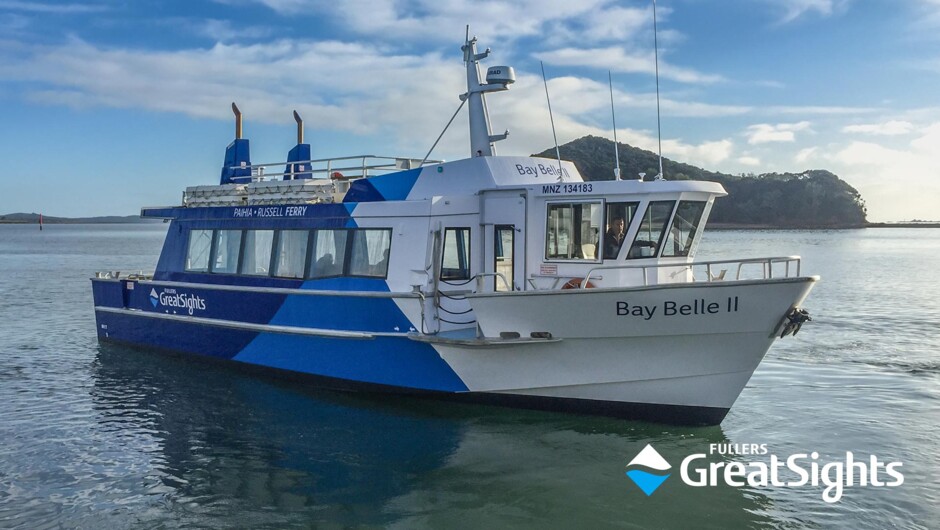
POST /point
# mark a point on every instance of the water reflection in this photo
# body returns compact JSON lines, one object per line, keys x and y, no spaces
{"x":225,"y":448}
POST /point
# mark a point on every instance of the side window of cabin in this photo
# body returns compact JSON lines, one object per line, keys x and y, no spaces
{"x":684,"y":227}
{"x":256,"y":258}
{"x":573,"y":231}
{"x":369,"y":256}
{"x":455,"y":260}
{"x":619,"y":216}
{"x":648,"y":237}
{"x":329,"y":253}
{"x":290,"y":254}
{"x":504,"y":241}
{"x":225,"y":251}
{"x":197,"y":253}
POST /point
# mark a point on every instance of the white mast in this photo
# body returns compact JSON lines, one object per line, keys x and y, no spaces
{"x":613,"y":118}
{"x":659,"y":126}
{"x":498,"y":78}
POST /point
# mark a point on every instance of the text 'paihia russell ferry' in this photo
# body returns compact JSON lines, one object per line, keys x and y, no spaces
{"x":494,"y":279}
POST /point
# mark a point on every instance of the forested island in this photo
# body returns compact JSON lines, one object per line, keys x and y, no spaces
{"x":33,"y":218}
{"x":810,"y":199}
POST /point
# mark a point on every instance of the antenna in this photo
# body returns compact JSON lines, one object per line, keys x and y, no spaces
{"x":659,"y":126}
{"x":613,"y":118}
{"x":552,"y":118}
{"x":442,"y":133}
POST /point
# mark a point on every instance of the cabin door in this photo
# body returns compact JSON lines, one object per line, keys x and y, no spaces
{"x":503,"y":218}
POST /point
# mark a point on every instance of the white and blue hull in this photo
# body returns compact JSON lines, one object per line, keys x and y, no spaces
{"x":599,"y":359}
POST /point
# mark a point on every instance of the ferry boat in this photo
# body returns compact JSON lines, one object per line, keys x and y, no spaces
{"x":493,"y":279}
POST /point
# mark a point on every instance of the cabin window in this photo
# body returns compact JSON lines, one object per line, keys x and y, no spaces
{"x":684,"y":228}
{"x":455,"y":264}
{"x":329,"y":253}
{"x":619,"y":216}
{"x":369,"y":255}
{"x":648,"y":237}
{"x":504,"y":240}
{"x":197,"y":254}
{"x":256,"y":258}
{"x":573,"y":231}
{"x":290,"y":254}
{"x":225,"y":250}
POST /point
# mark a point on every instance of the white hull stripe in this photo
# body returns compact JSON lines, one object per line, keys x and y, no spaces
{"x":272,"y":290}
{"x":248,"y":326}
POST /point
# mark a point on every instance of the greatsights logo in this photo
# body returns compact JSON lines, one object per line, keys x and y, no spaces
{"x":647,"y":481}
{"x":171,"y":298}
{"x":793,"y":471}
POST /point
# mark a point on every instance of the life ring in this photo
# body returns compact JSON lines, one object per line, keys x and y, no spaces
{"x":575,"y":283}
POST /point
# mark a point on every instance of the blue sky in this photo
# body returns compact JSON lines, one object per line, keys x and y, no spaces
{"x":109,"y":106}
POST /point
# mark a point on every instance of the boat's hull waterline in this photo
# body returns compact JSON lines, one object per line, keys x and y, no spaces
{"x":673,"y":353}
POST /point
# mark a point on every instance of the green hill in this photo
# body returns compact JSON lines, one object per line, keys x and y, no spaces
{"x":810,"y":199}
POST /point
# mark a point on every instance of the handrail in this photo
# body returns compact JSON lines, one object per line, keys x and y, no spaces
{"x":766,"y":262}
{"x":382,"y":163}
{"x":480,"y":275}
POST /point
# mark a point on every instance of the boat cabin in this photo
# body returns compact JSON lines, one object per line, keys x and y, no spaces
{"x":481,"y":224}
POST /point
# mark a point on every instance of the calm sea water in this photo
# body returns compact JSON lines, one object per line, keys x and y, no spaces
{"x":100,"y":436}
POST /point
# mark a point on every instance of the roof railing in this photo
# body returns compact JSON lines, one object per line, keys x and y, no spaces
{"x":369,"y":165}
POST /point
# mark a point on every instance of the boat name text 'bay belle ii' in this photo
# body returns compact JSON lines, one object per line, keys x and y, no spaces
{"x":497,"y":279}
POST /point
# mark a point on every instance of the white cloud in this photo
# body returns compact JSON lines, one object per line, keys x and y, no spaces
{"x":57,"y":8}
{"x":267,"y":80}
{"x":929,"y":15}
{"x":782,"y":132}
{"x":888,"y":128}
{"x":868,"y":153}
{"x":820,"y":110}
{"x":804,"y":155}
{"x":377,"y":93}
{"x":225,"y":31}
{"x":794,"y":9}
{"x":706,"y":154}
{"x":444,"y":20}
{"x":770,"y":84}
{"x":617,"y":59}
{"x":749,"y":161}
{"x":929,"y":139}
{"x":899,"y":183}
{"x":616,"y":23}
{"x":584,"y":94}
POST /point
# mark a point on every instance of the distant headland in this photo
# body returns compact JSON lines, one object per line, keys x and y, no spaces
{"x":33,"y":218}
{"x":810,"y":199}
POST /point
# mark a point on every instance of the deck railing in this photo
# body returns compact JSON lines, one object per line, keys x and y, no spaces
{"x":368,"y":165}
{"x":715,"y":270}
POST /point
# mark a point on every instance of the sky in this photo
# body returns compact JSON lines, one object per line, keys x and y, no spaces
{"x":108,"y":106}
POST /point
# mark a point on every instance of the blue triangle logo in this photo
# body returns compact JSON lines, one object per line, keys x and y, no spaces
{"x":153,"y":297}
{"x":648,"y":481}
